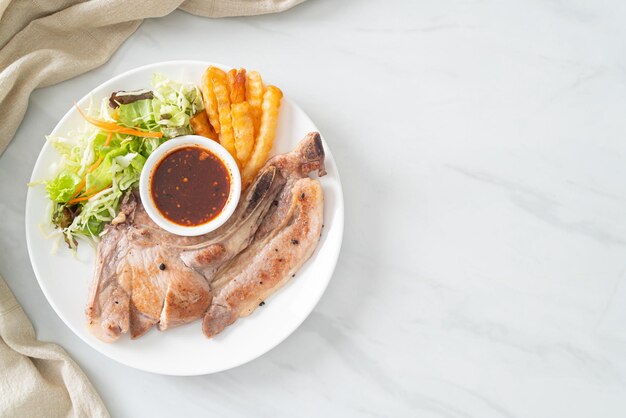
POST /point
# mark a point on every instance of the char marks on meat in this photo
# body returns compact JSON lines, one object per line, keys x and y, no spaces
{"x":146,"y":276}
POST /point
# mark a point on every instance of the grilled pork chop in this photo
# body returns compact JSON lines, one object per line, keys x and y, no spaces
{"x":271,"y":260}
{"x":146,"y":276}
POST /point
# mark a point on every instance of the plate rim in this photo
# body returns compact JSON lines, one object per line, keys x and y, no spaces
{"x":339,"y":219}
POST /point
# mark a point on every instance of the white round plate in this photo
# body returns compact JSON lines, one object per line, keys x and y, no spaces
{"x":65,"y":278}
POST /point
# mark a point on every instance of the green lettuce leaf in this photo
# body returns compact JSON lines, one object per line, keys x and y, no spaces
{"x":63,"y":186}
{"x":139,"y":114}
{"x":120,"y":161}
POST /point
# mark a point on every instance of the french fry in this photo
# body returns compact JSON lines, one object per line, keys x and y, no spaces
{"x":267,"y":132}
{"x":231,"y":76}
{"x":201,"y":126}
{"x":210,"y":103}
{"x":237,"y":84}
{"x":219,"y":79}
{"x":254,"y":96}
{"x":243,"y":128}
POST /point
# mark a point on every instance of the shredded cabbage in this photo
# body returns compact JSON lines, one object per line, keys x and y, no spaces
{"x":92,"y":177}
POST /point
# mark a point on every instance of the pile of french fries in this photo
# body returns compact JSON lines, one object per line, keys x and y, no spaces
{"x":241,"y":113}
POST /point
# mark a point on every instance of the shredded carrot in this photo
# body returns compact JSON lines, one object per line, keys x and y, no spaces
{"x":78,"y":189}
{"x":111,"y":128}
{"x":82,"y":183}
{"x":116,"y":113}
{"x":95,"y":165}
{"x":78,"y":199}
{"x":88,"y":195}
{"x":114,"y":127}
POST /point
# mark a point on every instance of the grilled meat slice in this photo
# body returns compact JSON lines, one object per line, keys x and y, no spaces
{"x":146,"y":276}
{"x":142,"y":277}
{"x":271,"y":260}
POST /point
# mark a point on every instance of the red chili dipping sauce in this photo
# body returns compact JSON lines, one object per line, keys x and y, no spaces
{"x":190,"y":186}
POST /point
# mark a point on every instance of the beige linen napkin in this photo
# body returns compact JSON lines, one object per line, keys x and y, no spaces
{"x":43,"y":42}
{"x":38,"y":379}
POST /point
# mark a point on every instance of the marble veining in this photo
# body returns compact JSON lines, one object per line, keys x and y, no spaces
{"x":482,"y":149}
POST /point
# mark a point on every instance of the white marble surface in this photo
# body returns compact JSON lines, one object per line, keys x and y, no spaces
{"x":482,"y":146}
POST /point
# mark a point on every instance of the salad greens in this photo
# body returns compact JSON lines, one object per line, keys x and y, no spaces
{"x":168,"y":112}
{"x":99,"y":165}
